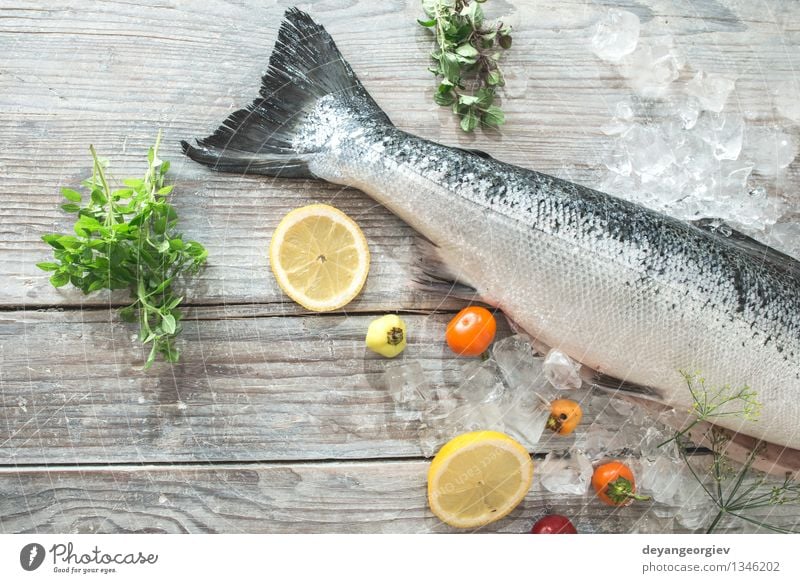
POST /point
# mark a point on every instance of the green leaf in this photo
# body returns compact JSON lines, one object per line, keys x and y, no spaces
{"x":494,"y":117}
{"x":70,"y":207}
{"x":469,"y":121}
{"x":494,"y":77}
{"x":68,"y":242}
{"x":467,"y":99}
{"x":86,"y":224}
{"x":165,"y":190}
{"x":427,"y":23}
{"x":121,"y":193}
{"x":53,"y":240}
{"x":484,"y":96}
{"x":59,"y":279}
{"x":168,"y":324}
{"x":505,"y":41}
{"x":429,"y":6}
{"x":48,"y":266}
{"x":163,"y":247}
{"x":450,"y":67}
{"x":444,"y":99}
{"x":71,"y":195}
{"x":474,"y":13}
{"x":467,"y":50}
{"x":134,"y":183}
{"x":98,"y":197}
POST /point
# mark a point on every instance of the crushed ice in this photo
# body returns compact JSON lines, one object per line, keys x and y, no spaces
{"x":682,"y":145}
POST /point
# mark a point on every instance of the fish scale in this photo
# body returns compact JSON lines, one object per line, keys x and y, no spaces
{"x":629,"y":292}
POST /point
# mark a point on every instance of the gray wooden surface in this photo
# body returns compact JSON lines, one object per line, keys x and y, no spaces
{"x":275,"y":420}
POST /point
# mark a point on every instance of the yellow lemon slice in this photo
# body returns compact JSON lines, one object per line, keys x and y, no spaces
{"x":477,"y":478}
{"x":320,"y":257}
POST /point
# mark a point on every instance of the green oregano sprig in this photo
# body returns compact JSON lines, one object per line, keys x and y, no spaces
{"x":466,"y":59}
{"x":126,"y":239}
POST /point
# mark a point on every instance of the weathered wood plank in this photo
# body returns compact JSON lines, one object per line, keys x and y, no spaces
{"x":365,"y":497}
{"x":248,"y":388}
{"x":112,"y":76}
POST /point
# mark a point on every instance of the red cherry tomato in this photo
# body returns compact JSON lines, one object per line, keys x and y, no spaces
{"x":471,"y":331}
{"x":554,"y":524}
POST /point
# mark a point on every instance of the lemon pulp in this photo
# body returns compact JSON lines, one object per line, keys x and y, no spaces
{"x":319,"y":257}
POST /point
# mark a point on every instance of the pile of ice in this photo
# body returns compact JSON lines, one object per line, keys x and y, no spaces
{"x":510,"y":392}
{"x":702,"y":158}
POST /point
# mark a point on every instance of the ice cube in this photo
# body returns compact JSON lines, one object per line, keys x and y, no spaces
{"x":481,"y":417}
{"x":685,"y":110}
{"x":785,"y":237}
{"x":481,"y":382}
{"x":652,"y":67}
{"x":723,"y":132}
{"x":623,"y":110}
{"x":787,"y":99}
{"x":430,"y":439}
{"x":408,"y":387}
{"x":524,"y":417}
{"x":520,"y":368}
{"x":615,"y":35}
{"x":734,"y":176}
{"x":569,"y":475}
{"x":697,"y":513}
{"x":711,"y":90}
{"x":650,"y":153}
{"x":660,"y":478}
{"x":561,"y":371}
{"x":619,"y":162}
{"x":770,"y":150}
{"x":439,"y":405}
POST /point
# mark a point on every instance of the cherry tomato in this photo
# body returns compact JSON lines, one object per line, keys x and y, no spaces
{"x":614,"y":484}
{"x":471,"y":331}
{"x":565,"y":414}
{"x":554,"y":524}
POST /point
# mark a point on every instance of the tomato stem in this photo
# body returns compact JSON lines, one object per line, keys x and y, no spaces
{"x":621,"y":490}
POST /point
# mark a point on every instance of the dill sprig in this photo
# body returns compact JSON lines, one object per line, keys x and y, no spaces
{"x":466,"y":56}
{"x":734,"y":491}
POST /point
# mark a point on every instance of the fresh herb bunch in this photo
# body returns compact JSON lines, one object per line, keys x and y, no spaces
{"x":733,"y":491}
{"x":466,"y":54}
{"x":126,"y":239}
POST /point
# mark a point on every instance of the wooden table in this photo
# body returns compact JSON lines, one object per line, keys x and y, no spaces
{"x":275,"y":420}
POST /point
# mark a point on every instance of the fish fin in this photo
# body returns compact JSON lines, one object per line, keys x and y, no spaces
{"x":304,"y":67}
{"x":478,"y":153}
{"x":752,"y":247}
{"x":433,"y":274}
{"x":608,"y":383}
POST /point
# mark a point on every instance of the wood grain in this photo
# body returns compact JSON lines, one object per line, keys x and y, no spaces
{"x":263,"y":388}
{"x":354,"y":497}
{"x":249,"y":387}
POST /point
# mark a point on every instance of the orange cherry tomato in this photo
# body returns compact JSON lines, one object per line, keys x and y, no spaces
{"x":471,"y":331}
{"x":614,"y":484}
{"x":565,"y":414}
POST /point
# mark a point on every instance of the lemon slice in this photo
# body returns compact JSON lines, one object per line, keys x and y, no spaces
{"x":319,"y":257}
{"x":477,"y":478}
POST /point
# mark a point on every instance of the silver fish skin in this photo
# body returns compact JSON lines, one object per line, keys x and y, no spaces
{"x":624,"y":290}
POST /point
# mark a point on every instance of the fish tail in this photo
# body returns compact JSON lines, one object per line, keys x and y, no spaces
{"x":274,"y":135}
